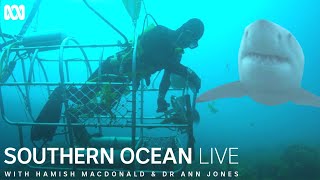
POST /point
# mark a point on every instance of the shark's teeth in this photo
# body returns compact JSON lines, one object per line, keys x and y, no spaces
{"x":267,"y":59}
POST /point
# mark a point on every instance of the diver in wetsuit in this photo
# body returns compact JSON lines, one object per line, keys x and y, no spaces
{"x":160,"y":48}
{"x":163,"y":49}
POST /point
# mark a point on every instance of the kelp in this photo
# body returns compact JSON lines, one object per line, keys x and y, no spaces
{"x":212,"y":107}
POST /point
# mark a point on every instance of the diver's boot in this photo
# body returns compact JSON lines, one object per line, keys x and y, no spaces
{"x":162,"y":105}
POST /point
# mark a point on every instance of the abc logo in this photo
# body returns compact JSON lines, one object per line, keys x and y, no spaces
{"x":14,"y":12}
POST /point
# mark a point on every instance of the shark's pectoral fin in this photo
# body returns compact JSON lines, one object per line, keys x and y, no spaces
{"x":230,"y":90}
{"x":306,"y":98}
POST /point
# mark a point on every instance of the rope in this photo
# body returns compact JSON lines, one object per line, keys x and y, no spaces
{"x":33,"y":12}
{"x":106,"y":21}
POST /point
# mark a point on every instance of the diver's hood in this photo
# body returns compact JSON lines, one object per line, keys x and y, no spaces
{"x":195,"y":26}
{"x":190,"y":33}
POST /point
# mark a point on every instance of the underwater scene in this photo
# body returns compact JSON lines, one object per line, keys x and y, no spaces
{"x":220,"y":89}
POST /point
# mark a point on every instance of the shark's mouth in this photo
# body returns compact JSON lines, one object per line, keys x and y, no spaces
{"x":266,"y":59}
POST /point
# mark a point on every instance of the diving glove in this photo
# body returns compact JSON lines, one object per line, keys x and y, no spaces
{"x":162,"y":105}
{"x":194,"y":79}
{"x":147,"y":79}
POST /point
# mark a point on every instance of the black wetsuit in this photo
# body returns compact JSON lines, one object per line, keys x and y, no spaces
{"x":160,"y":52}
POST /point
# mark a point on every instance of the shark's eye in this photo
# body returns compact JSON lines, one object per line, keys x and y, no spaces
{"x":279,"y":37}
{"x":290,"y":38}
{"x":247,"y":33}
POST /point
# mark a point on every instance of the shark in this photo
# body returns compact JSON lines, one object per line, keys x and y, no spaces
{"x":270,"y":65}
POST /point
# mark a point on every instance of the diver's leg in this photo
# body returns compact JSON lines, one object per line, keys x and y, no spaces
{"x":80,"y":133}
{"x":87,"y":92}
{"x":50,"y":113}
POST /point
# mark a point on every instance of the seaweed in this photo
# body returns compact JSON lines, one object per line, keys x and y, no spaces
{"x":212,"y":107}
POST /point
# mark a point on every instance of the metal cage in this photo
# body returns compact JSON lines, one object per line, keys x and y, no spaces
{"x":95,"y":113}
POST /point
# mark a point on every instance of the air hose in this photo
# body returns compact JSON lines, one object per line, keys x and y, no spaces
{"x":33,"y":12}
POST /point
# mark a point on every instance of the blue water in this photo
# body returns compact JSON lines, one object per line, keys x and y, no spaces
{"x":240,"y":122}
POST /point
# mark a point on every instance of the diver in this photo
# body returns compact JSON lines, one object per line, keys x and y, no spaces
{"x":159,"y":48}
{"x":163,"y":49}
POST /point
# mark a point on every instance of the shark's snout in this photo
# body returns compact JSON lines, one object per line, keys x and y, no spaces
{"x":263,"y":39}
{"x":270,"y":58}
{"x":263,"y":30}
{"x":271,"y":64}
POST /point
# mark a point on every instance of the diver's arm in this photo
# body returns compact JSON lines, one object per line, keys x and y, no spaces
{"x":187,"y":73}
{"x":164,"y":86}
{"x":178,"y":69}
